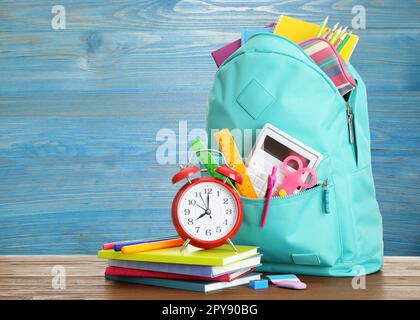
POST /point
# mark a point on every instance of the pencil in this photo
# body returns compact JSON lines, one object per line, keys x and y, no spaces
{"x":341,"y":37}
{"x":322,"y":28}
{"x":329,"y":34}
{"x":336,"y":34}
{"x":343,"y":43}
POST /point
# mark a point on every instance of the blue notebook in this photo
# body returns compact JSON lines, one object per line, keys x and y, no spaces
{"x":199,"y":286}
{"x":194,"y":270}
{"x":248,"y":33}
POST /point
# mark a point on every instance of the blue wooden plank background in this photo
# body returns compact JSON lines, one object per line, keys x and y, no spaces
{"x":80,"y":109}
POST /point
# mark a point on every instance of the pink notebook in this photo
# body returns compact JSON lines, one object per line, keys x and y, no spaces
{"x":126,"y":272}
{"x":221,"y":54}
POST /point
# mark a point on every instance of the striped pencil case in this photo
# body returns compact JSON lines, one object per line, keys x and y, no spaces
{"x":329,"y":60}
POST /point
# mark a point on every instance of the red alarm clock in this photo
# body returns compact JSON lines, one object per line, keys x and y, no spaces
{"x":207,"y":212}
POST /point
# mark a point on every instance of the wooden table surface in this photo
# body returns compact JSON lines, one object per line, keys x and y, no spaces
{"x":31,"y":277}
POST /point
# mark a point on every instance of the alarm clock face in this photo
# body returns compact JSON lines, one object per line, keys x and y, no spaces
{"x":208,"y":211}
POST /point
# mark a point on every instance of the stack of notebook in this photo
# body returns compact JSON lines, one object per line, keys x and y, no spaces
{"x":192,"y":269}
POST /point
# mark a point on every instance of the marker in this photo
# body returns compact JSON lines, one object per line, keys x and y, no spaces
{"x":117,"y":245}
{"x":322,"y":28}
{"x":343,"y":43}
{"x":152,"y":246}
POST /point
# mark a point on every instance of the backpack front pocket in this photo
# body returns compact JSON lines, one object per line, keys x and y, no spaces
{"x":300,"y":229}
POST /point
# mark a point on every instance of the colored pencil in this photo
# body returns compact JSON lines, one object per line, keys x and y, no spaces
{"x":335,"y":36}
{"x":322,"y":28}
{"x":343,"y":43}
{"x":341,"y":37}
{"x":329,"y":34}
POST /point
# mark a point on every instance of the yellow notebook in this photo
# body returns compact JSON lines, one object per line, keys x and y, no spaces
{"x":298,"y":30}
{"x":191,"y":255}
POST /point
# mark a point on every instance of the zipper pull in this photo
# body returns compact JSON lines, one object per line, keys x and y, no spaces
{"x":350,"y":122}
{"x":325,"y":196}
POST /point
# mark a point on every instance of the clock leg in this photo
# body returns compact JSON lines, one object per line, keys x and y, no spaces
{"x":232,"y":245}
{"x":185,"y":244}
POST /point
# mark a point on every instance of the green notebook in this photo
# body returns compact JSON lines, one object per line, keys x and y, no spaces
{"x":191,"y":255}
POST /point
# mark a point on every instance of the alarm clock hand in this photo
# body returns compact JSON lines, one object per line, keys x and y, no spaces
{"x":208,"y":205}
{"x":203,"y":202}
{"x":201,"y":207}
{"x":201,"y":215}
{"x":206,"y":212}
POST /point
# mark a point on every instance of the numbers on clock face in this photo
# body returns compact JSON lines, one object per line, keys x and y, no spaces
{"x":207,"y":211}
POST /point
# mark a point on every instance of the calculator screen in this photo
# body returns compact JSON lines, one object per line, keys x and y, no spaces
{"x":280,"y":151}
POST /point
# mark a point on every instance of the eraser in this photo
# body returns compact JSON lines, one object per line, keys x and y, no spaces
{"x":277,"y":277}
{"x":289,"y":281}
{"x":258,"y":284}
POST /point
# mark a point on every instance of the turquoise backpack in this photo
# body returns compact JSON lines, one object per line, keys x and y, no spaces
{"x":335,"y":228}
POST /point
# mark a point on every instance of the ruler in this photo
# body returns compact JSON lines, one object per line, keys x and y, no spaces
{"x":228,"y":147}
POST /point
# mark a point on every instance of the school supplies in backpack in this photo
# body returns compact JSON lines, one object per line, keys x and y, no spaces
{"x":327,"y":229}
{"x":271,"y":147}
{"x":297,"y":31}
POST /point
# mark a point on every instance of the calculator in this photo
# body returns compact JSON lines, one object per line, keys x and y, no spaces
{"x":271,"y":148}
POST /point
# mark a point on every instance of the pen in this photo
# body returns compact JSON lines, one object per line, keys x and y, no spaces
{"x":271,"y":182}
{"x":322,"y":28}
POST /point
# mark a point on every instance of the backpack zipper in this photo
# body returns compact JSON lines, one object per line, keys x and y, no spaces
{"x":325,"y":196}
{"x":350,"y":123}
